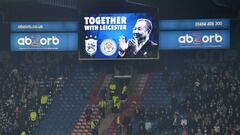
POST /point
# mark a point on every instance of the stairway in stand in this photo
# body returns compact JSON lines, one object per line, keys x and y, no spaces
{"x":135,"y":97}
{"x":82,"y":127}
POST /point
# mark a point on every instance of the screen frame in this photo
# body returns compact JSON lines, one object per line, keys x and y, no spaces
{"x":155,"y":12}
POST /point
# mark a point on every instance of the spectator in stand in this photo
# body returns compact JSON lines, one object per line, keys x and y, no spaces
{"x":102,"y":107}
{"x":129,"y":129}
{"x":183,"y":122}
{"x":112,"y":89}
{"x":175,"y":132}
{"x":88,"y":113}
{"x":103,"y":93}
{"x":161,"y":123}
{"x":119,"y":124}
{"x":152,"y":112}
{"x":23,"y":132}
{"x":142,"y":130}
{"x":137,"y":113}
{"x":126,"y":120}
{"x":124,"y":92}
{"x":176,"y":120}
{"x":148,"y":127}
{"x":174,"y":103}
{"x":199,"y":132}
{"x":142,"y":112}
{"x":93,"y":127}
{"x":117,"y":105}
{"x":184,"y":132}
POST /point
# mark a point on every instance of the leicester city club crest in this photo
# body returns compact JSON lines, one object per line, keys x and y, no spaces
{"x":91,"y":45}
{"x":108,"y":47}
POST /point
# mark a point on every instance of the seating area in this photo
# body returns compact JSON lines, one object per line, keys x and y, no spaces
{"x":68,"y":104}
{"x":160,"y":90}
{"x":159,"y":93}
{"x":21,"y":88}
{"x":198,"y":99}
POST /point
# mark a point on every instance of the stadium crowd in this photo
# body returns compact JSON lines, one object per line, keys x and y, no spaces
{"x":210,"y":105}
{"x":25,"y":90}
{"x":212,"y":101}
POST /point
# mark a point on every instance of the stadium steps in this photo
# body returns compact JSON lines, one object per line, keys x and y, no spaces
{"x":106,"y":123}
{"x":68,"y":104}
{"x":82,"y":127}
{"x":136,"y":92}
{"x":108,"y":78}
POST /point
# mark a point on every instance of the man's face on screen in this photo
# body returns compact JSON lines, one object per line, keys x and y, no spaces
{"x":140,"y":30}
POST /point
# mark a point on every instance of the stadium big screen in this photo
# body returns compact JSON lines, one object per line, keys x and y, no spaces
{"x":119,"y":36}
{"x":194,"y":34}
{"x":44,"y":36}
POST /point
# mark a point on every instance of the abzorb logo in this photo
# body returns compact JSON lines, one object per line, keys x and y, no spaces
{"x":37,"y":40}
{"x":199,"y":38}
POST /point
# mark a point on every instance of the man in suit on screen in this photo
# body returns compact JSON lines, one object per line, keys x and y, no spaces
{"x":140,"y":46}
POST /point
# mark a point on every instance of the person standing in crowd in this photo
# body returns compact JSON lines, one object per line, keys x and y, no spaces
{"x":117,"y":105}
{"x":152,"y":111}
{"x":23,"y":132}
{"x":184,"y":132}
{"x":33,"y":117}
{"x":142,"y":130}
{"x":119,"y":125}
{"x":175,"y":132}
{"x":93,"y":127}
{"x":102,"y":107}
{"x":112,"y":89}
{"x":103,"y":93}
{"x":88,"y":113}
{"x":129,"y":129}
{"x":148,"y":127}
{"x":124,"y":92}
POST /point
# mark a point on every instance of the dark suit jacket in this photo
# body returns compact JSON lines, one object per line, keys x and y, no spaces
{"x":149,"y":50}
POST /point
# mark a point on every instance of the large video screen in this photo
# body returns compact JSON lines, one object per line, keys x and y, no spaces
{"x":44,"y":36}
{"x":194,"y":34}
{"x":119,"y":36}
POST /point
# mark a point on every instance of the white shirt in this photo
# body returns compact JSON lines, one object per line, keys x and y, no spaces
{"x":148,"y":126}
